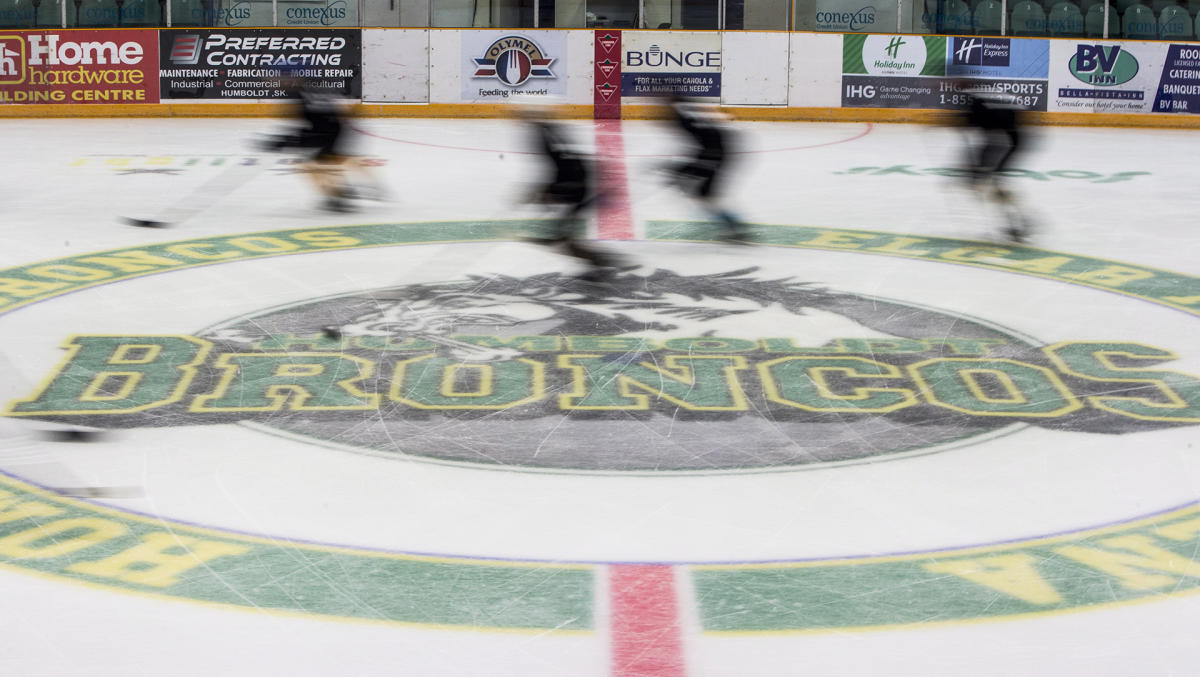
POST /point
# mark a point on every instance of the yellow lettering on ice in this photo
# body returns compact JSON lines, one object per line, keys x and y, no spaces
{"x":1014,"y":575}
{"x":81,"y":532}
{"x":1132,"y":568}
{"x":151,"y":562}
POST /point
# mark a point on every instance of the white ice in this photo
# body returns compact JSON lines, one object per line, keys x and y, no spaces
{"x":64,"y":193}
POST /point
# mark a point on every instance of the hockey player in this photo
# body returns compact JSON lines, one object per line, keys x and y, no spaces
{"x":322,"y":135}
{"x":571,"y":185}
{"x":700,"y":175}
{"x":994,"y":118}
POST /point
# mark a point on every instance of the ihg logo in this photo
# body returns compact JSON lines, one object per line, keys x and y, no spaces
{"x":1103,"y":66}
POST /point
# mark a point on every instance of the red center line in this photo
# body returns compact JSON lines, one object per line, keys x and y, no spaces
{"x":614,"y":217}
{"x":647,"y":640}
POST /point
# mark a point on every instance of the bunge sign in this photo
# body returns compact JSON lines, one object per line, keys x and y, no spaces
{"x":662,"y":63}
{"x":78,"y":67}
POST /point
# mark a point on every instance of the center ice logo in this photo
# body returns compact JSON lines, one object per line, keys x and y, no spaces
{"x":513,"y":60}
{"x":471,"y":371}
{"x":1104,"y":66}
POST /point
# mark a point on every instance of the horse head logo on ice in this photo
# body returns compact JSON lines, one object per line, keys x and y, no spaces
{"x":498,"y":358}
{"x":513,"y":60}
{"x":657,"y":306}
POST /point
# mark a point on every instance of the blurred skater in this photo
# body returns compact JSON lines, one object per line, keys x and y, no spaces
{"x":700,"y":175}
{"x":994,"y":120}
{"x":321,"y":135}
{"x":572,"y":186}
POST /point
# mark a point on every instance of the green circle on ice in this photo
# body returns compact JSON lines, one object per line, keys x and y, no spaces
{"x":858,"y":335}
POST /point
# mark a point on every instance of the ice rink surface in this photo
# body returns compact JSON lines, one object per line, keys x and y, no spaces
{"x":881,"y":441}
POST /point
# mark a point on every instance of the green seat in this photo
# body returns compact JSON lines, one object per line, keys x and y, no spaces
{"x":1093,"y":22}
{"x":141,"y":13}
{"x":957,"y":17}
{"x":929,"y":16}
{"x":1157,"y":6}
{"x":1196,"y":26}
{"x":1085,"y":5}
{"x":1028,"y":18}
{"x":1140,"y":23}
{"x":17,"y":14}
{"x":1065,"y":20}
{"x":49,"y":14}
{"x":190,"y":13}
{"x":953,"y":16}
{"x":98,"y":14}
{"x":1174,"y":24}
{"x":989,"y":14}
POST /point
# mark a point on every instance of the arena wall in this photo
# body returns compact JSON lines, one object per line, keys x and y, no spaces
{"x":594,"y":73}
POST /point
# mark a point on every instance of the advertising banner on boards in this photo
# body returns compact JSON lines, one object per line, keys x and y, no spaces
{"x":1104,"y":76}
{"x":892,"y":71}
{"x":79,"y":67}
{"x":1124,"y":77}
{"x":1179,"y":86}
{"x":606,"y":74}
{"x":907,"y":71}
{"x":250,"y":64}
{"x":513,"y":67}
{"x":660,"y":63}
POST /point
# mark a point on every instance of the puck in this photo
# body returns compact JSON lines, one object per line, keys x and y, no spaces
{"x":74,"y":435}
{"x":145,"y":223}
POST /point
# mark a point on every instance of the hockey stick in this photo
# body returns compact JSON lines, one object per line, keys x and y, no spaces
{"x":25,"y":456}
{"x":205,"y":195}
{"x":26,"y":448}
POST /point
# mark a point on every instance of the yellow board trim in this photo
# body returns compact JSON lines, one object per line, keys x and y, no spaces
{"x":582,"y":111}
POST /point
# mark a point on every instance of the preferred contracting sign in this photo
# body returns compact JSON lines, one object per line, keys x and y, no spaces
{"x":250,"y":64}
